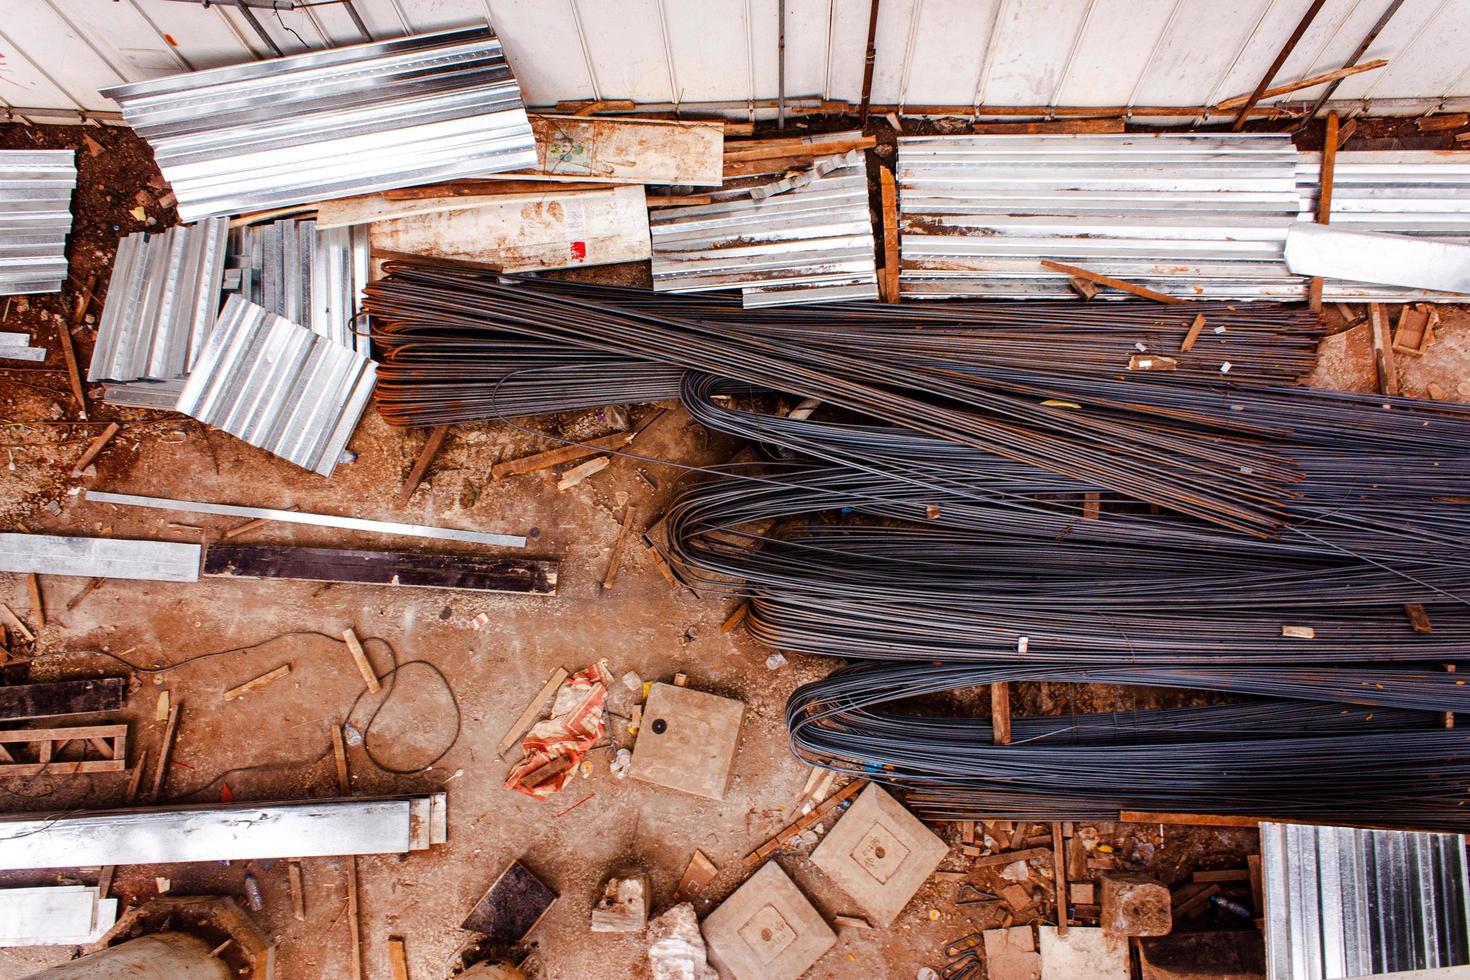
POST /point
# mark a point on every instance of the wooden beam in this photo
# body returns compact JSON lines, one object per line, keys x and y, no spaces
{"x":1008,"y":857}
{"x":68,"y":350}
{"x":1000,"y":712}
{"x":1449,"y":716}
{"x":298,"y":891}
{"x":250,"y":525}
{"x":38,"y":602}
{"x":8,"y":616}
{"x":801,"y":823}
{"x":398,"y":958}
{"x":892,"y":264}
{"x":573,"y":452}
{"x":359,"y":657}
{"x":1059,"y":876}
{"x":869,"y":58}
{"x":1119,"y":284}
{"x":1440,"y":124}
{"x":339,"y":757}
{"x":395,"y":569}
{"x":96,"y":446}
{"x":421,"y":465}
{"x":531,"y":713}
{"x":1385,"y":368}
{"x":165,"y":750}
{"x":1352,"y":60}
{"x":256,"y":683}
{"x":1195,"y":329}
{"x":752,"y":151}
{"x":1050,"y":126}
{"x":1324,"y":198}
{"x":617,"y":552}
{"x":354,"y":919}
{"x":1260,"y":91}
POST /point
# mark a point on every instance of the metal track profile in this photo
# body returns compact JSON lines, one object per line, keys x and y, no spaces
{"x":278,"y":386}
{"x":35,"y":218}
{"x":230,"y":832}
{"x":161,"y":303}
{"x":1344,"y":902}
{"x":308,"y":275}
{"x":333,"y":123}
{"x":1421,"y":193}
{"x":1197,"y":216}
{"x":811,"y":241}
{"x":17,"y":347}
{"x":49,"y":554}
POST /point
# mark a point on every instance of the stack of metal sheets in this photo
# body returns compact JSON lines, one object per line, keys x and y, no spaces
{"x":1423,"y":193}
{"x":35,"y":218}
{"x":161,"y":303}
{"x":330,"y":124}
{"x":1197,"y":216}
{"x":278,"y":386}
{"x":811,"y":241}
{"x":17,"y":347}
{"x":1342,"y":902}
{"x":307,"y":275}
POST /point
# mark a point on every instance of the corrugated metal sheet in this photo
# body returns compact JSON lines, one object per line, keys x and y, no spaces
{"x":144,"y":394}
{"x":810,"y":244}
{"x":333,"y":123}
{"x":1199,"y":216}
{"x":161,"y":303}
{"x":1343,"y":902}
{"x":309,"y":276}
{"x":1424,"y":193}
{"x":278,"y":386}
{"x":35,"y":218}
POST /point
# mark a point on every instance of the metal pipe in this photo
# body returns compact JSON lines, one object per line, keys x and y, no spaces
{"x":258,"y":28}
{"x":1280,"y":59}
{"x":357,"y":20}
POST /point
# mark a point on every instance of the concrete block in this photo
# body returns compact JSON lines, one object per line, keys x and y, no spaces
{"x":1010,"y":954}
{"x":623,"y":906}
{"x":1082,"y":954}
{"x":1135,"y":905}
{"x":1227,"y":954}
{"x":767,"y":930}
{"x":687,"y":740}
{"x":880,"y":854}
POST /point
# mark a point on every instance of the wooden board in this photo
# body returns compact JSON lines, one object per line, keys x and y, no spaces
{"x":627,"y":151}
{"x":30,"y":752}
{"x":552,"y":231}
{"x":403,"y":568}
{"x":511,"y":907}
{"x":62,"y":698}
{"x":532,"y":712}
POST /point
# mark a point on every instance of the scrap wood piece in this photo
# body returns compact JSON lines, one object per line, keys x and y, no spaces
{"x":1415,"y":330}
{"x":165,"y":750}
{"x":578,"y":722}
{"x":359,"y":657}
{"x":680,"y":152}
{"x":13,"y":621}
{"x":256,"y":683}
{"x":892,"y":262}
{"x":1119,"y":284}
{"x":298,"y":892}
{"x":1010,"y":857}
{"x":1418,"y":618}
{"x":1082,"y":287}
{"x":616,"y":556}
{"x":95,"y":447}
{"x":38,"y":604}
{"x":402,"y":569}
{"x":421,"y":465}
{"x":1222,"y":876}
{"x":33,"y":751}
{"x":801,"y":823}
{"x":736,"y":617}
{"x":1438,"y":124}
{"x":748,"y":151}
{"x":560,"y":455}
{"x":511,"y":907}
{"x":574,"y":476}
{"x":339,"y":758}
{"x":1385,"y":368}
{"x":1000,"y":713}
{"x":1195,"y":329}
{"x":1152,"y":362}
{"x":251,"y":525}
{"x":92,"y":586}
{"x":1324,"y":198}
{"x":1050,"y":127}
{"x":1194,"y":900}
{"x":72,"y":697}
{"x":1311,"y":81}
{"x":531,"y":712}
{"x":398,"y":958}
{"x":696,"y":878}
{"x":1059,"y":877}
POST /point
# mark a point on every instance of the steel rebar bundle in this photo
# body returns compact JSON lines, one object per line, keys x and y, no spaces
{"x":1236,"y":759}
{"x":1079,"y":417}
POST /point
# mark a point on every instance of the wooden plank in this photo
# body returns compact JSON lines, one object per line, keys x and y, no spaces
{"x":555,"y":230}
{"x":354,"y":918}
{"x":1324,"y":198}
{"x":251,"y":525}
{"x":38,"y":602}
{"x":616,"y":556}
{"x":697,"y":876}
{"x":1440,"y":124}
{"x":627,"y":151}
{"x":1082,"y":287}
{"x":95,"y":446}
{"x":1311,"y":81}
{"x":405,"y":569}
{"x":1196,"y":328}
{"x":165,"y":750}
{"x":1225,"y":875}
{"x":1196,"y":902}
{"x":397,"y":958}
{"x":1253,"y":870}
{"x":1449,"y":716}
{"x":546,"y":771}
{"x":892,"y":264}
{"x":1010,"y":857}
{"x":421,"y":465}
{"x":1418,"y":618}
{"x":801,"y":823}
{"x":13,"y":621}
{"x":68,"y":348}
{"x":560,"y":455}
{"x":748,"y":151}
{"x":298,"y":891}
{"x":1385,"y":368}
{"x":1050,"y":126}
{"x":92,"y":586}
{"x":531,"y":713}
{"x":1118,"y":284}
{"x":477,"y":187}
{"x":1059,"y":876}
{"x":1000,"y":713}
{"x":574,"y":476}
{"x":1190,"y":819}
{"x":339,"y":757}
{"x":359,"y":657}
{"x":256,"y":683}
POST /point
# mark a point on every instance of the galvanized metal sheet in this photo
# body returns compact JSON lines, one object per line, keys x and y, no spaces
{"x":308,"y":275}
{"x":1343,"y":902}
{"x":17,"y":347}
{"x":278,"y":386}
{"x":161,"y":303}
{"x":333,"y":123}
{"x":35,"y":218}
{"x":49,"y":554}
{"x":234,"y":832}
{"x":1369,"y":256}
{"x":810,"y":241}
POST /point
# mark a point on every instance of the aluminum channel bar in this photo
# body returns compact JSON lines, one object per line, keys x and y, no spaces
{"x":234,"y":832}
{"x":49,"y":554}
{"x":336,"y":123}
{"x":1378,"y":257}
{"x":298,"y":517}
{"x":35,"y":217}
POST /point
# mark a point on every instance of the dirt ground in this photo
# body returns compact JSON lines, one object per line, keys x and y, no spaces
{"x":275,"y":744}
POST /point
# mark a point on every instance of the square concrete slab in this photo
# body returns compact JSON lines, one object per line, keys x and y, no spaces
{"x":687,"y":740}
{"x":767,"y":930}
{"x":1082,"y":954}
{"x":1010,"y":954}
{"x":880,"y":854}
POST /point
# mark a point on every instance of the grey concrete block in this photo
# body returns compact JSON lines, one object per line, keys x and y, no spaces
{"x":687,"y":740}
{"x":1082,"y":954}
{"x":880,"y":854}
{"x":767,"y":930}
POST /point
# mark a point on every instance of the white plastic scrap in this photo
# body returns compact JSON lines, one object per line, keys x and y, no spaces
{"x":676,"y":948}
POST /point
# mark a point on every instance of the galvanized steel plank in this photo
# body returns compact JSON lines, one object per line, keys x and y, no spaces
{"x":49,"y":554}
{"x":35,"y":218}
